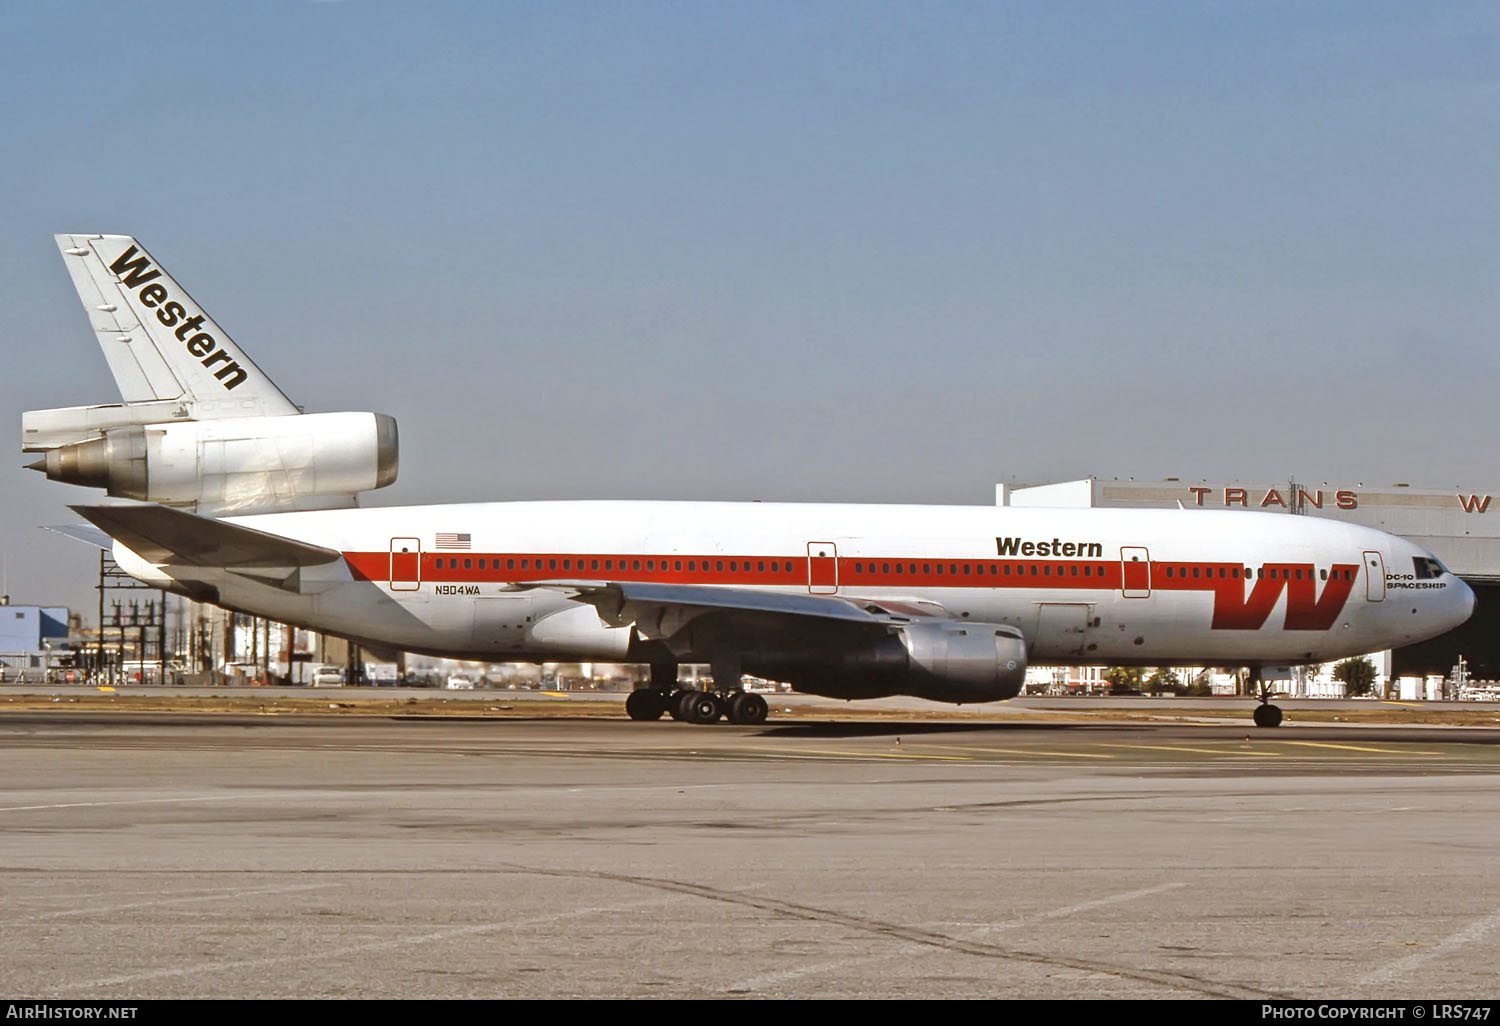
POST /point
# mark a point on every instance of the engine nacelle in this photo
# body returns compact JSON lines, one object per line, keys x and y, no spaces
{"x":963,"y":661}
{"x":242,"y":465}
{"x":959,"y":661}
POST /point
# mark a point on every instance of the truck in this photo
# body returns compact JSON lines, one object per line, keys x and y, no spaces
{"x":382,"y":675}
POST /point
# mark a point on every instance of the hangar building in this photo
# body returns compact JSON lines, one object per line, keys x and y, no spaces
{"x":1460,"y":526}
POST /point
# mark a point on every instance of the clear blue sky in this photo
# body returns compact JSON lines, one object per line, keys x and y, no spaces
{"x":844,"y":251}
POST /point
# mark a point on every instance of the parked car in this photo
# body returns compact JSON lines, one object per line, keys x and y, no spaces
{"x":458,"y":682}
{"x":327,"y":677}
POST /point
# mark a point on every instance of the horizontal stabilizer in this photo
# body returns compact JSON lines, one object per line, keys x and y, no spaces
{"x":160,"y":534}
{"x":86,"y":533}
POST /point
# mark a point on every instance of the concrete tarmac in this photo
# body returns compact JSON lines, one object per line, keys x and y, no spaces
{"x":150,"y":855}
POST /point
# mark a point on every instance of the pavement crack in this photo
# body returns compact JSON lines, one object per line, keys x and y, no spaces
{"x":912,"y":934}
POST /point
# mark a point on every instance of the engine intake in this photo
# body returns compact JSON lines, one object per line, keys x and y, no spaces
{"x":963,"y":661}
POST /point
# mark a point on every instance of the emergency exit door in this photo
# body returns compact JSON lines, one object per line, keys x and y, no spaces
{"x":1135,"y":572}
{"x":1374,"y":577}
{"x":822,"y":568}
{"x":406,"y":564}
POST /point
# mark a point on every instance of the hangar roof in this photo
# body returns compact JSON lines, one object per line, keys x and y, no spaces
{"x":1460,"y":526}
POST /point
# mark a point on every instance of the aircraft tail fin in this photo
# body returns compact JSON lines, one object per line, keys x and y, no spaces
{"x":160,"y":345}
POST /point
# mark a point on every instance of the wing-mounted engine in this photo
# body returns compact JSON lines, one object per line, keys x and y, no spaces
{"x":963,"y":661}
{"x":842,"y":647}
{"x":243,"y":465}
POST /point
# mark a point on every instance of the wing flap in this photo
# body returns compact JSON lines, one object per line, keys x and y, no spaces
{"x":162,"y":535}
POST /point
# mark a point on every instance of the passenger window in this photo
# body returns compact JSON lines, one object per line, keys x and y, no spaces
{"x":1075,"y":570}
{"x":719,"y":565}
{"x":940,"y":568}
{"x":468,"y":564}
{"x":1323,"y":575}
{"x":676,"y":564}
{"x":551,"y":564}
{"x":899,"y":568}
{"x":760,"y":566}
{"x":567,"y":564}
{"x":885,"y":568}
{"x":1195,"y":572}
{"x":635,"y":564}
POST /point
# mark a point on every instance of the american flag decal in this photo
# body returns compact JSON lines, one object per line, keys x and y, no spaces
{"x":452,"y":541}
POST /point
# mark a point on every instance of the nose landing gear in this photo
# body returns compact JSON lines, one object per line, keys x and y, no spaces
{"x":1266,"y":714}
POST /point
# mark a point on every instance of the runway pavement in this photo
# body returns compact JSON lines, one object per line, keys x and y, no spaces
{"x":148,"y":855}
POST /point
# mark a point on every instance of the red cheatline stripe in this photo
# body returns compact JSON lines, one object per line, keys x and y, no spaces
{"x":793,"y":570}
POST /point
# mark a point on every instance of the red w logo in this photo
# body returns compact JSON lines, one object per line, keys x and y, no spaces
{"x":1306,"y":610}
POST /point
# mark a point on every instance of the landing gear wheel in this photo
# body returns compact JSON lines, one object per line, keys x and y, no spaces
{"x":1267,"y":715}
{"x":747,"y":709}
{"x":645,"y":704}
{"x":677,"y":704}
{"x":702,"y":707}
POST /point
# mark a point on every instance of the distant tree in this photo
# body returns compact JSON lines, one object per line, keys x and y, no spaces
{"x":1123,"y":678}
{"x":1203,"y":684}
{"x":1164,"y":679}
{"x":1357,"y":674}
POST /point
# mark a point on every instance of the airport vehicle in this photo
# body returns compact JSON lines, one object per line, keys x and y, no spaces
{"x":327,"y":676}
{"x":382,"y":675}
{"x":458,"y":682}
{"x":238,"y":498}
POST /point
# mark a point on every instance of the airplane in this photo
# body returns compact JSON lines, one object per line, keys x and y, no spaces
{"x":230,"y":494}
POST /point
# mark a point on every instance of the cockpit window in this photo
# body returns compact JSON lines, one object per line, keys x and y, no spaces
{"x":1427,"y":568}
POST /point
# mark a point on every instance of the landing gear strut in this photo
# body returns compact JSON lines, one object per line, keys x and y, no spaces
{"x":1266,"y":714}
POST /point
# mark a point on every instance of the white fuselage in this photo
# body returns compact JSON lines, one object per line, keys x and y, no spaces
{"x":490,"y":580}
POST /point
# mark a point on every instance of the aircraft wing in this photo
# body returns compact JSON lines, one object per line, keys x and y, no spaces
{"x":660,"y":611}
{"x":160,"y":534}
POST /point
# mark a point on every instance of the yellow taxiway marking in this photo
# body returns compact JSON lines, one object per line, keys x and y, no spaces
{"x":1357,"y":748}
{"x":820,"y":753}
{"x":1183,"y":748}
{"x":1019,"y":751}
{"x":106,"y":688}
{"x":1406,"y":705}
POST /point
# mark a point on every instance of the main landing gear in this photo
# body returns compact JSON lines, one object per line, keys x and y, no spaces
{"x":1266,"y":714}
{"x":663,"y":696}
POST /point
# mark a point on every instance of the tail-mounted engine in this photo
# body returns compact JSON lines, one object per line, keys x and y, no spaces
{"x":240,"y":465}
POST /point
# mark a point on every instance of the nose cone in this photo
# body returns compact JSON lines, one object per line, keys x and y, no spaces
{"x":1464,"y":602}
